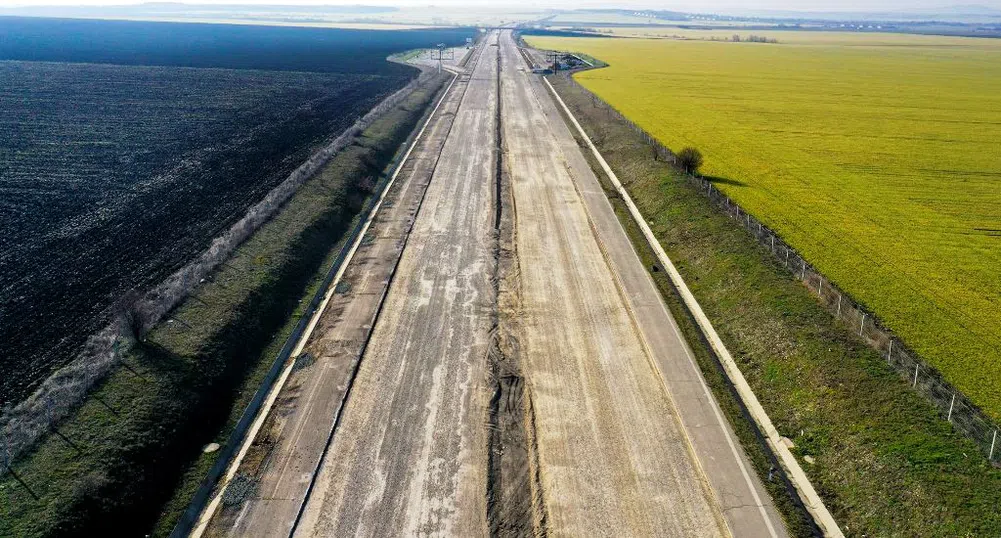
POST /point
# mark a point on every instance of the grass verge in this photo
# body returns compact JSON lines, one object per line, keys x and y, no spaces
{"x":884,"y":462}
{"x":129,"y":459}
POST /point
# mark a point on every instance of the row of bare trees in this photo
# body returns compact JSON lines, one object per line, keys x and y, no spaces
{"x":24,"y":424}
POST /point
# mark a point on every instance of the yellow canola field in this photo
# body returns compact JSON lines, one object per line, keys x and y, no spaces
{"x":877,"y":156}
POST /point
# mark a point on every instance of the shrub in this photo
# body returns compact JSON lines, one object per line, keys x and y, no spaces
{"x":690,"y":159}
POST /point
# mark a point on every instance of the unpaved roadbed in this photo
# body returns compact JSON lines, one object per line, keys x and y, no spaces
{"x":409,"y":457}
{"x":612,"y":450}
{"x":286,"y":454}
{"x":520,"y":375}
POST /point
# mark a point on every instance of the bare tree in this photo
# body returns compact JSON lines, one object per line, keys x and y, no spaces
{"x":132,"y":322}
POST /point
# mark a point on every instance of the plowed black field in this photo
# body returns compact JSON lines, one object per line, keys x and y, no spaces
{"x":113,"y":176}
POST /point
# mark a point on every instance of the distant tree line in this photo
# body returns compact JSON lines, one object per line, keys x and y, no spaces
{"x":749,"y":39}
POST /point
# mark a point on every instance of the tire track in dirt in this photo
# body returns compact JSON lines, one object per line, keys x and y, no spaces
{"x":514,"y":500}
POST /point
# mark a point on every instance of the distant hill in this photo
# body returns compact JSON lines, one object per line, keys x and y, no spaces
{"x":968,"y":13}
{"x":968,"y":9}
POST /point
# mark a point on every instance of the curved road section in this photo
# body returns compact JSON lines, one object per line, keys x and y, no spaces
{"x":500,"y":363}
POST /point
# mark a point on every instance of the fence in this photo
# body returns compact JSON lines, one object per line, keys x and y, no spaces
{"x":956,"y":408}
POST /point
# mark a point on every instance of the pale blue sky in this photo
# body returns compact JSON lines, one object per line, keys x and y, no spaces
{"x":687,"y":5}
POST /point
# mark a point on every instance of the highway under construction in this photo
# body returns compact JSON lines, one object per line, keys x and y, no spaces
{"x":496,"y":360}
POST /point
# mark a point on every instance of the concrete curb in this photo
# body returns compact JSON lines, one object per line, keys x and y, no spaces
{"x":814,"y":504}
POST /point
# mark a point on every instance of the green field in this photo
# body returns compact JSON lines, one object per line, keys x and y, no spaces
{"x":879,"y":158}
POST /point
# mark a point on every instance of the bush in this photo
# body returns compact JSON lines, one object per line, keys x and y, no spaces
{"x":690,"y":160}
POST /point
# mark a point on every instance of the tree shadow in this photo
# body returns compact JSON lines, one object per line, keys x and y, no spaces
{"x":161,"y":361}
{"x":724,"y":181}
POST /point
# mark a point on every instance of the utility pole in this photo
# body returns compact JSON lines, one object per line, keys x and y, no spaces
{"x":553,"y":57}
{"x":438,"y":53}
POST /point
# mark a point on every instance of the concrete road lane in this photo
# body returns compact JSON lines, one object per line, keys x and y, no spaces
{"x":409,"y":457}
{"x":284,"y":456}
{"x":620,"y":455}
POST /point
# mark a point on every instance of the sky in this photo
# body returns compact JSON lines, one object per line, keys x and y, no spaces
{"x":684,"y":5}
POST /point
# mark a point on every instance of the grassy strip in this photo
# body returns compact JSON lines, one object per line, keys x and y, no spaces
{"x":130,"y":457}
{"x":884,"y":462}
{"x":407,"y":56}
{"x":198,"y":469}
